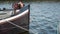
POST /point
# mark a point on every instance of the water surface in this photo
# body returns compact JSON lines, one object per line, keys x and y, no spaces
{"x":45,"y":17}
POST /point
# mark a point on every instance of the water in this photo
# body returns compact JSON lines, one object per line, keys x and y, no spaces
{"x":6,"y":5}
{"x":44,"y":16}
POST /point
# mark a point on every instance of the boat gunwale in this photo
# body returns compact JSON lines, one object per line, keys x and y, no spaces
{"x":14,"y":17}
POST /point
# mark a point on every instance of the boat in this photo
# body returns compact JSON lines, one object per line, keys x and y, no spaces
{"x":15,"y":24}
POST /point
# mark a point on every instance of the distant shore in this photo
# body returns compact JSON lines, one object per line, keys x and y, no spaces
{"x":32,"y":0}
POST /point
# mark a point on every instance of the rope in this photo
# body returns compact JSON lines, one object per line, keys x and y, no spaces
{"x":17,"y":25}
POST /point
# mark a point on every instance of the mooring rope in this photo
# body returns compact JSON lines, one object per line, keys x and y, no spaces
{"x":17,"y":25}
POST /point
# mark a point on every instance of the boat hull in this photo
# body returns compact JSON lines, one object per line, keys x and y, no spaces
{"x":20,"y":20}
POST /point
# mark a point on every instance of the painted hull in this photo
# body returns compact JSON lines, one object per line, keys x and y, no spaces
{"x":20,"y":19}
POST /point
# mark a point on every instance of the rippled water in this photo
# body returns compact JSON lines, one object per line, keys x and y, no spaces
{"x":45,"y":17}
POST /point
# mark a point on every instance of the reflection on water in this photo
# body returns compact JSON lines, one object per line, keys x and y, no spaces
{"x":44,"y":17}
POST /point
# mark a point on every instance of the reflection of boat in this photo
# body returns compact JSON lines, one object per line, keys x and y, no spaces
{"x":15,"y":24}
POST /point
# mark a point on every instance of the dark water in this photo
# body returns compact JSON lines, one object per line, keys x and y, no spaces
{"x":44,"y":16}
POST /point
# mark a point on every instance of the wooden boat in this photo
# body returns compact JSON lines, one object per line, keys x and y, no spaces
{"x":16,"y":24}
